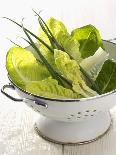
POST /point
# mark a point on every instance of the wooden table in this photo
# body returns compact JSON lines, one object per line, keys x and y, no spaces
{"x":18,"y":137}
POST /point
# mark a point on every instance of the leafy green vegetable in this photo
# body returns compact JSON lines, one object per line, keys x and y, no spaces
{"x":89,"y":39}
{"x":106,"y":79}
{"x":63,"y":81}
{"x":48,"y":32}
{"x":60,"y":33}
{"x":93,"y":64}
{"x":71,"y":46}
{"x":47,"y":54}
{"x":23,"y":67}
{"x":50,"y":88}
{"x":56,"y":27}
{"x":63,"y":65}
{"x":71,"y":70}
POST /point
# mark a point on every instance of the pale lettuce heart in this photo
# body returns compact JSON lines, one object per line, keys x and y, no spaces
{"x":50,"y":88}
{"x":93,"y":64}
{"x":23,"y":67}
{"x":71,"y":70}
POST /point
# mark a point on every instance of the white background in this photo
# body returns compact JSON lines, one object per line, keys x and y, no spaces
{"x":101,"y":13}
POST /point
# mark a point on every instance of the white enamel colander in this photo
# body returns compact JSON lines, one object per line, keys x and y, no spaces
{"x":70,"y":120}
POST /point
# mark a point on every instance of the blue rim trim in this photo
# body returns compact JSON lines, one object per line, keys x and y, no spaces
{"x":66,"y":100}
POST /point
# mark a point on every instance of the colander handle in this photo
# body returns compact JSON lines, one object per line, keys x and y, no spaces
{"x":40,"y":103}
{"x":9,"y":96}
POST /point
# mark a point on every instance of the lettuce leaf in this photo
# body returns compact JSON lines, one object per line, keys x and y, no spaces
{"x":71,"y":70}
{"x":106,"y":79}
{"x":59,"y":31}
{"x":93,"y":64}
{"x":71,"y":46}
{"x":50,"y":88}
{"x":89,"y":39}
{"x":22,"y":67}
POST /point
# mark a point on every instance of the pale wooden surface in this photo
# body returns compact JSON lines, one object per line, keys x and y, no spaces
{"x":17,"y":135}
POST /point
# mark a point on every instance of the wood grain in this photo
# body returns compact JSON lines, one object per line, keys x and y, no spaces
{"x":17,"y":135}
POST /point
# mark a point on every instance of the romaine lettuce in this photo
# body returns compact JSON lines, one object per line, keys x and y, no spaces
{"x":89,"y":39}
{"x":71,"y":70}
{"x":50,"y":88}
{"x":71,"y":46}
{"x":77,"y":62}
{"x":22,"y":67}
{"x":59,"y":31}
{"x":106,"y":79}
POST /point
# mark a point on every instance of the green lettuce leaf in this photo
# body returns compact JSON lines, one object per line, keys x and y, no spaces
{"x":71,"y":46}
{"x":93,"y":64}
{"x":71,"y":70}
{"x":59,"y":31}
{"x":50,"y":88}
{"x":106,"y":79}
{"x":22,"y":67}
{"x":89,"y":39}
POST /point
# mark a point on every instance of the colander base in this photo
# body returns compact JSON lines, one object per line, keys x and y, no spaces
{"x":81,"y":132}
